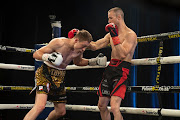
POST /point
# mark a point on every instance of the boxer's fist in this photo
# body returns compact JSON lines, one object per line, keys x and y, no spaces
{"x":55,"y":58}
{"x":100,"y":60}
{"x":72,"y":33}
{"x":112,"y":28}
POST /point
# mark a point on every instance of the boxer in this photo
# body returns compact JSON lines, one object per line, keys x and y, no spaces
{"x":123,"y":42}
{"x":50,"y":76}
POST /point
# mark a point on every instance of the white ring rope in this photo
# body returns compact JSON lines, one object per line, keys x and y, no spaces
{"x":153,"y":61}
{"x":17,"y":67}
{"x":127,"y":110}
{"x":143,"y":61}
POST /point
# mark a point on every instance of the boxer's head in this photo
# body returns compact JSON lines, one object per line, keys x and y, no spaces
{"x":82,"y":40}
{"x":83,"y":35}
{"x":115,"y":15}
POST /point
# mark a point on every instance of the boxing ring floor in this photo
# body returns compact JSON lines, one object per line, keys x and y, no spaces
{"x":17,"y":96}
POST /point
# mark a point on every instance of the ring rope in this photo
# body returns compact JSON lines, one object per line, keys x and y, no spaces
{"x":143,"y":61}
{"x":15,"y":88}
{"x":16,"y":49}
{"x":157,"y":37}
{"x":138,"y":89}
{"x":127,"y":110}
{"x":148,"y":38}
{"x":17,"y":67}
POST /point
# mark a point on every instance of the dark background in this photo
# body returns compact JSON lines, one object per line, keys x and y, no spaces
{"x":24,"y":24}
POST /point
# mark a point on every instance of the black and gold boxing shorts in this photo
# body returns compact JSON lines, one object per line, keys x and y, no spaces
{"x":50,"y":81}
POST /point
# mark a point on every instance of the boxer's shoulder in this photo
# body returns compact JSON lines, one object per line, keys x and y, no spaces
{"x":130,"y":32}
{"x":58,"y":41}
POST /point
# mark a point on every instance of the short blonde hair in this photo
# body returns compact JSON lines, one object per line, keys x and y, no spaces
{"x":117,"y":11}
{"x":84,"y":35}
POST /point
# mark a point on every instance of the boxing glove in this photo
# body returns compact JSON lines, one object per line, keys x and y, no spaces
{"x":72,"y":33}
{"x":100,"y":60}
{"x":55,"y":58}
{"x":112,"y":28}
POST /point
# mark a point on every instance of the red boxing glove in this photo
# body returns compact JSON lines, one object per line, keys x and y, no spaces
{"x":112,"y":28}
{"x":72,"y":33}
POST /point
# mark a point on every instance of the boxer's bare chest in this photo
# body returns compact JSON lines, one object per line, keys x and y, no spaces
{"x":68,"y":54}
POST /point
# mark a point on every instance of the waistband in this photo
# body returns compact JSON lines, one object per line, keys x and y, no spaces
{"x":117,"y":62}
{"x":48,"y":64}
{"x":52,"y":71}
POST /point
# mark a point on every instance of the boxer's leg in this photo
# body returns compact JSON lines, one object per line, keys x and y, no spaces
{"x":59,"y":111}
{"x":102,"y":105}
{"x":40,"y":103}
{"x":115,"y":107}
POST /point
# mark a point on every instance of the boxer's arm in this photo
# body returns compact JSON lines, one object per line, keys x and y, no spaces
{"x":80,"y":61}
{"x":101,"y":43}
{"x":51,"y":47}
{"x":126,"y":47}
{"x":100,"y":60}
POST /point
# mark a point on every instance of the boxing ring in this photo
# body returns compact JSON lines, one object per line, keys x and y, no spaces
{"x":137,"y":89}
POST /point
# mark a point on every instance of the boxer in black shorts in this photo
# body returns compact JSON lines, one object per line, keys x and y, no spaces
{"x":115,"y":79}
{"x":123,"y":41}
